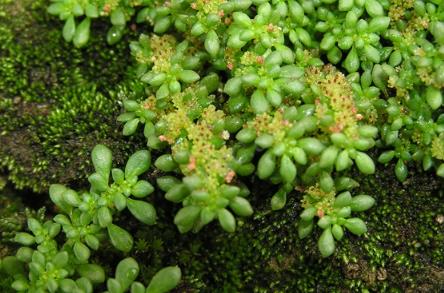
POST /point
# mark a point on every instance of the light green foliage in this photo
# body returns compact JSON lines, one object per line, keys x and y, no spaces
{"x":302,"y":119}
{"x":334,"y":213}
{"x":43,"y":265}
{"x":78,"y":31}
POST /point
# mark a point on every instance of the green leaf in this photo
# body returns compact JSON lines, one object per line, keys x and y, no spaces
{"x":120,"y":238}
{"x":356,"y":226}
{"x":119,"y":201}
{"x":130,"y":127}
{"x":287,"y":169}
{"x":207,"y":215}
{"x":71,"y":197}
{"x":278,"y":200}
{"x":233,"y":86}
{"x":379,"y":24}
{"x":241,"y":206}
{"x":372,"y":53}
{"x":142,"y":189}
{"x":81,"y":35}
{"x":344,"y":212}
{"x":143,"y":211}
{"x":264,"y":140}
{"x":299,"y":155}
{"x":351,"y":62}
{"x":24,"y":254}
{"x":343,"y":199}
{"x":162,"y":25}
{"x":138,"y":163}
{"x":242,"y":19}
{"x":386,"y":157}
{"x":226,"y":220}
{"x":188,"y":76}
{"x":104,"y":217}
{"x":266,"y":165}
{"x":92,"y":272}
{"x":81,"y":251}
{"x":69,"y":29}
{"x":246,"y":135}
{"x":165,"y":280}
{"x":326,"y":243}
{"x":34,"y":225}
{"x":305,"y":228}
{"x":374,"y":8}
{"x":113,"y":286}
{"x":126,"y":272}
{"x":56,"y":8}
{"x":343,"y":161}
{"x":56,"y":194}
{"x":259,"y":103}
{"x":91,"y":10}
{"x":165,"y":163}
{"x":118,"y":17}
{"x":20,"y":285}
{"x":401,"y":171}
{"x":166,"y":183}
{"x":308,"y":214}
{"x":92,"y":241}
{"x":327,"y":42}
{"x":137,"y":287}
{"x":12,"y":266}
{"x":102,"y":159}
{"x":177,"y":193}
{"x":440,"y":170}
{"x":229,"y":191}
{"x":186,"y":217}
{"x":328,"y":157}
{"x":311,"y":146}
{"x":364,"y":163}
{"x":345,"y":5}
{"x":362,"y":203}
{"x":326,"y":182}
{"x":433,"y":97}
{"x":84,"y":284}
{"x":118,"y":175}
{"x":337,"y":232}
{"x":98,"y":183}
{"x":325,"y":222}
{"x":212,"y":44}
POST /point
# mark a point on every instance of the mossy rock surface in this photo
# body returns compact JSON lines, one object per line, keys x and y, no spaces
{"x":56,"y":102}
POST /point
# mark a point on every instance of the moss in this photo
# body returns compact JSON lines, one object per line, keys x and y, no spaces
{"x":56,"y":102}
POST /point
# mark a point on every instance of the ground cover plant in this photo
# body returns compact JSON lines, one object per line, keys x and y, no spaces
{"x":225,"y":113}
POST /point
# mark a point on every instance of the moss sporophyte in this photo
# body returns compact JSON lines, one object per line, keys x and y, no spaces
{"x":295,"y":95}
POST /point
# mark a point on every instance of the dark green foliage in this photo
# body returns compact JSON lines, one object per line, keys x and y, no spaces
{"x":56,"y":102}
{"x":13,"y":215}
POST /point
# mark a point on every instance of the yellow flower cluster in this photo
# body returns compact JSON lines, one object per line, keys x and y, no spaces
{"x":206,"y":7}
{"x":275,"y":125}
{"x":209,"y":162}
{"x":398,"y":7}
{"x":163,"y":50}
{"x":315,"y":196}
{"x":336,"y":96}
{"x":437,"y":148}
{"x":109,"y":6}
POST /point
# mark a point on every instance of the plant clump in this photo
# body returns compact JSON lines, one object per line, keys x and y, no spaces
{"x":229,"y":94}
